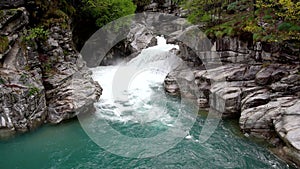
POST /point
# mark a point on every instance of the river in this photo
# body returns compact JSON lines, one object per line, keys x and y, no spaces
{"x":145,"y":112}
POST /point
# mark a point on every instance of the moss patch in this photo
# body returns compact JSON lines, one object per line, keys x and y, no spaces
{"x":4,"y":44}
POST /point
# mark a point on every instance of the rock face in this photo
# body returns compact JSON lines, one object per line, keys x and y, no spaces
{"x":288,"y":127}
{"x":22,"y":101}
{"x":69,"y":84}
{"x":11,"y":3}
{"x":42,"y":79}
{"x":138,"y":38}
{"x":264,"y":96}
{"x":163,"y":6}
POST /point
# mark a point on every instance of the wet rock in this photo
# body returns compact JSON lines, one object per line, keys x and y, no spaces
{"x":171,"y":86}
{"x":232,"y":44}
{"x":288,"y":128}
{"x":278,"y":74}
{"x":258,"y":121}
{"x":187,"y":54}
{"x":291,"y":79}
{"x":152,"y":7}
{"x":251,"y":72}
{"x":139,"y":37}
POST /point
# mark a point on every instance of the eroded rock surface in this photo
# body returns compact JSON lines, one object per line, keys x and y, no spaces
{"x":69,"y":85}
{"x":265,"y":98}
{"x":42,"y":79}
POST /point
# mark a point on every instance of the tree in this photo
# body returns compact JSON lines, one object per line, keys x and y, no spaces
{"x":105,"y":11}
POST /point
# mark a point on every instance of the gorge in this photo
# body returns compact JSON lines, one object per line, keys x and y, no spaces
{"x":254,"y":86}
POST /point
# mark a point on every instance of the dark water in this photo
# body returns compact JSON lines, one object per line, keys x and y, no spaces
{"x":67,"y":146}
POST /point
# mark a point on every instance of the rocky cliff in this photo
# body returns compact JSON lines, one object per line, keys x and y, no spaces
{"x":258,"y":83}
{"x":43,"y":79}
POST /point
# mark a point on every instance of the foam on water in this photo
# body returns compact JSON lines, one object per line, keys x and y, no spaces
{"x":140,"y":100}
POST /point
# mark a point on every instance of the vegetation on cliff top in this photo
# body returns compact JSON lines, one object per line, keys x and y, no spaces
{"x":105,"y":11}
{"x":266,"y":20}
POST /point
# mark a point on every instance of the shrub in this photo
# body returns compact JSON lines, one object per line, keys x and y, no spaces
{"x":105,"y":11}
{"x":37,"y":33}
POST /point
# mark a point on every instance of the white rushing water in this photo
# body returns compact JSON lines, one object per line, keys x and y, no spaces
{"x":133,"y":91}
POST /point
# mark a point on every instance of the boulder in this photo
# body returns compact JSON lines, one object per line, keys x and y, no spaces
{"x":263,"y":77}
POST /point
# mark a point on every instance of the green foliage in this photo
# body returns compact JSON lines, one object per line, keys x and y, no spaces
{"x":4,"y":44}
{"x":221,"y":30}
{"x":27,"y":68}
{"x":141,"y":3}
{"x":233,"y":6}
{"x":281,"y":19}
{"x":33,"y":90}
{"x":47,"y":68}
{"x":56,"y":17}
{"x":59,"y":14}
{"x":105,"y":11}
{"x":37,"y":33}
{"x":2,"y":81}
{"x":1,"y":14}
{"x":267,"y":20}
{"x":65,"y":6}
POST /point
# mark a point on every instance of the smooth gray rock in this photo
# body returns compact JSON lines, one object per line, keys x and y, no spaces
{"x":258,"y":121}
{"x":288,"y":128}
{"x":255,"y":99}
{"x":263,"y":77}
{"x":225,"y":100}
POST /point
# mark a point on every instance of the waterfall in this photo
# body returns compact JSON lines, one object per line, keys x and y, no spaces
{"x":133,"y":91}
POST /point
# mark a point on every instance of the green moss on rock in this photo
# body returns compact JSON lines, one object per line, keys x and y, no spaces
{"x":4,"y":44}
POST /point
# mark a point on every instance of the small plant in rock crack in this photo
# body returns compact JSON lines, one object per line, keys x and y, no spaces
{"x":2,"y":81}
{"x":23,"y":77}
{"x":37,"y":33}
{"x":4,"y":44}
{"x":33,"y":90}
